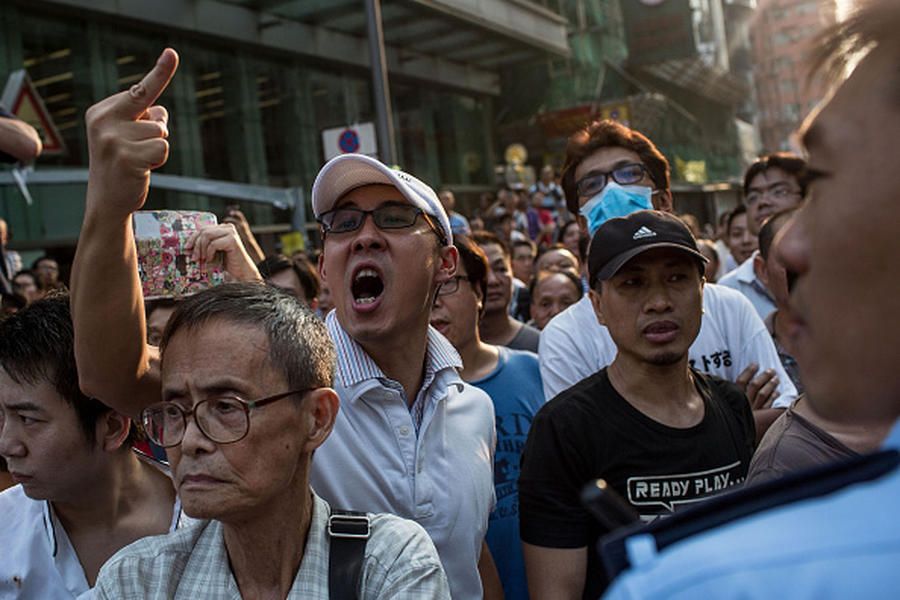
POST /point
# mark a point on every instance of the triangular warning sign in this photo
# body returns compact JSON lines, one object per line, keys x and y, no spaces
{"x":22,"y":99}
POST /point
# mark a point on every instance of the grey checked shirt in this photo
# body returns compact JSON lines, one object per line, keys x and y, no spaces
{"x":192,"y":563}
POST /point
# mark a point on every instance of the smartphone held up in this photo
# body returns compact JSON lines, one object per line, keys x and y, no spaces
{"x":166,"y":268}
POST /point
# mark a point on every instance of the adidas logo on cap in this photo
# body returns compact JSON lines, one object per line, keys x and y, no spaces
{"x":642,"y":233}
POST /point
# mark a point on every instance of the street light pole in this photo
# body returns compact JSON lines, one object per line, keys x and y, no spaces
{"x":384,"y":115}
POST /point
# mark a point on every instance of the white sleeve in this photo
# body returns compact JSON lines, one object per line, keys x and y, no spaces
{"x":567,"y":353}
{"x":759,"y":348}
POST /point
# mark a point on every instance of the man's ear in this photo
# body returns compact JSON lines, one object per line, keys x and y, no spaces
{"x":760,"y":269}
{"x":322,"y":405}
{"x":321,"y":266}
{"x":448,"y":259}
{"x":582,"y":225}
{"x":663,"y":201}
{"x":111,"y":430}
{"x":597,"y":303}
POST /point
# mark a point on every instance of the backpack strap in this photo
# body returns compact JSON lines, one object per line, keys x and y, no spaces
{"x":349,"y":533}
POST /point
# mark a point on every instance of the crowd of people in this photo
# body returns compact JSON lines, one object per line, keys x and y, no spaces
{"x":568,"y":392}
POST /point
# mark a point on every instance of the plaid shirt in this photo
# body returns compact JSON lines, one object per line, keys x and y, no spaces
{"x":400,"y":562}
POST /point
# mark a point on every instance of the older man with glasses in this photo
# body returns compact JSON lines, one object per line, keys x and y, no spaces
{"x":246,"y":374}
{"x":240,"y":457}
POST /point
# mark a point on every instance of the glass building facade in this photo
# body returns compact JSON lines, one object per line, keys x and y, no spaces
{"x":238,"y":113}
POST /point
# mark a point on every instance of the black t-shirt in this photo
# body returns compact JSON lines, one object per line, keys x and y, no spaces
{"x":590,"y":431}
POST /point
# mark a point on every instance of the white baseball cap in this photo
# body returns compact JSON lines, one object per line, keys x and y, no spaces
{"x":349,"y":171}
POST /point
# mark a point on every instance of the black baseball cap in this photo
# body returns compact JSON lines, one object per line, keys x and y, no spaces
{"x":619,"y":240}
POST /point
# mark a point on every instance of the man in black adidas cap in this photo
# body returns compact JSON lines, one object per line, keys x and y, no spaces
{"x":660,"y":433}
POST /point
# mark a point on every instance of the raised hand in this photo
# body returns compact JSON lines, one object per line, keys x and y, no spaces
{"x":205,"y":243}
{"x":237,"y":218}
{"x":762,"y":389}
{"x":127,"y":139}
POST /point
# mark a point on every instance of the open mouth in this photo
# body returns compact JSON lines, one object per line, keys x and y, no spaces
{"x":367,"y":286}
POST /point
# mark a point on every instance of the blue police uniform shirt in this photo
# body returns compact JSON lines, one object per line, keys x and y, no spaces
{"x":516,"y":391}
{"x":843,"y":545}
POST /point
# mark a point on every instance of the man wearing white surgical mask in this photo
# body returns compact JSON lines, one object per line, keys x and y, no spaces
{"x":612,"y":171}
{"x":623,"y":189}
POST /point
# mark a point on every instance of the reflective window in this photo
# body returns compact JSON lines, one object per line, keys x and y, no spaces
{"x":54,"y":56}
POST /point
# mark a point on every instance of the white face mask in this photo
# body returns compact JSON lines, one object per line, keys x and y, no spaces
{"x":615,"y":201}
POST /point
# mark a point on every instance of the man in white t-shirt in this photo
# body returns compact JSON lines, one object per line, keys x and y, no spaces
{"x":83,"y":492}
{"x":612,"y":171}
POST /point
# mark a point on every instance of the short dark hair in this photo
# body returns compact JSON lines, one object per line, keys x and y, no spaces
{"x":38,"y":344}
{"x":12,"y":302}
{"x":302,"y":267}
{"x":787,"y":162}
{"x":557,"y":246}
{"x":572,"y":276}
{"x":475,"y":260}
{"x":770,"y":227}
{"x":532,"y":247}
{"x":41,"y":259}
{"x":299,"y":345}
{"x":583,"y":240}
{"x":739,"y":210}
{"x":27,"y":273}
{"x":705,"y":243}
{"x":608,"y":133}
{"x":483,"y":238}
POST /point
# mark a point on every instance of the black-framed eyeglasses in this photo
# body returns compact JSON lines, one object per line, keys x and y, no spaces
{"x":387,"y":216}
{"x":779,"y":191}
{"x":594,"y":182}
{"x":223,"y":419}
{"x":451,"y":286}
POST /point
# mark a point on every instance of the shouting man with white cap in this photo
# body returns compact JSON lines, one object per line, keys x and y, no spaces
{"x":411,"y":437}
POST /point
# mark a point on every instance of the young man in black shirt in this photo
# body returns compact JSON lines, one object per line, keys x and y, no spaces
{"x":661,"y":434}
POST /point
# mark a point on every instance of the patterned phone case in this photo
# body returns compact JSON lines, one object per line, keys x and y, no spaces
{"x":166,"y":270}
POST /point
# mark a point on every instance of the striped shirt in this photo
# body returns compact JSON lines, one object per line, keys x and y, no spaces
{"x":432,"y":464}
{"x":400,"y":562}
{"x":356,"y":366}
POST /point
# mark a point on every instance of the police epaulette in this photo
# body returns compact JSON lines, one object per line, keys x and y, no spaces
{"x":744,"y":502}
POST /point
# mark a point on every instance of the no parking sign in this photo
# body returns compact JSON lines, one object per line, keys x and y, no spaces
{"x":353,"y":138}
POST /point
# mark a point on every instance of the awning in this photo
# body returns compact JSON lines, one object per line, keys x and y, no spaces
{"x":698,"y":77}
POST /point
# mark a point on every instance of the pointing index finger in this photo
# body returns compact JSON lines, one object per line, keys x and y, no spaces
{"x":144,"y":93}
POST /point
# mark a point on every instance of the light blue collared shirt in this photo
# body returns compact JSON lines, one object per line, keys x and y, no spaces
{"x":844,"y":545}
{"x":430,"y":461}
{"x":744,"y":280}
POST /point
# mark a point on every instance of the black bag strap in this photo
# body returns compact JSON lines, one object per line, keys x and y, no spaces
{"x":349,"y":533}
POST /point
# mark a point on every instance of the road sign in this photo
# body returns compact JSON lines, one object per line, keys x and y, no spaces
{"x":22,"y":99}
{"x":353,"y":138}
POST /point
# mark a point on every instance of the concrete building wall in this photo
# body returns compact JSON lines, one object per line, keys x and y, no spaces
{"x":782,"y":36}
